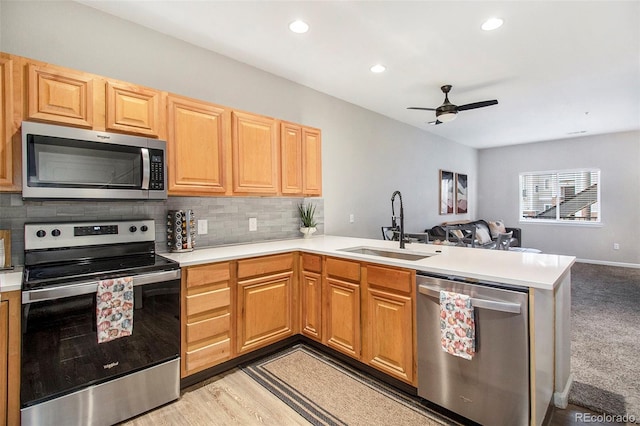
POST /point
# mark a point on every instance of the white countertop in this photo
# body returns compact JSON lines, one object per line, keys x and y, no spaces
{"x":533,"y":270}
{"x":11,"y":280}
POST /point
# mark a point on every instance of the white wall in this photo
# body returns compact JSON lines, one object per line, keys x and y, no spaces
{"x":618,"y":158}
{"x":365,"y":156}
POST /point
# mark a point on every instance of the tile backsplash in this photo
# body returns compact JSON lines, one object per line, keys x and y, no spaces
{"x":227,"y":217}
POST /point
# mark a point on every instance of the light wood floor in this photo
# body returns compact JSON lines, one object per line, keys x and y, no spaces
{"x":234,"y":398}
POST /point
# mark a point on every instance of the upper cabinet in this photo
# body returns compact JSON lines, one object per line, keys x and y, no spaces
{"x":133,"y":109}
{"x":301,"y":160}
{"x":211,"y":149}
{"x":198,"y":146}
{"x":255,"y":154}
{"x":74,"y":98}
{"x":60,"y":95}
{"x":6,"y":124}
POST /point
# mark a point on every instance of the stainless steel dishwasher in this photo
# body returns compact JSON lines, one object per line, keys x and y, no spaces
{"x":493,"y":387}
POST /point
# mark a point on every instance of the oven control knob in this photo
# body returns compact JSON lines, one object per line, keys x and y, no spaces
{"x":132,"y":228}
{"x":41,"y":233}
{"x":55,"y":232}
{"x":144,"y":228}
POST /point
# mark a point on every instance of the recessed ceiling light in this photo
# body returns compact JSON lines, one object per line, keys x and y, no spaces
{"x":378,"y":68}
{"x":299,"y":27}
{"x":492,"y":24}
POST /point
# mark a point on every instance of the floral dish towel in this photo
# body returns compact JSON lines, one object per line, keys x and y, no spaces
{"x":457,"y":325}
{"x":114,"y":308}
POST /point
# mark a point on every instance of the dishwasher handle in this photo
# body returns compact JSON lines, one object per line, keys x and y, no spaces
{"x":493,"y":305}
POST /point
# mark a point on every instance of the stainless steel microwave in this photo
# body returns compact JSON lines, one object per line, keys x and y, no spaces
{"x":60,"y":162}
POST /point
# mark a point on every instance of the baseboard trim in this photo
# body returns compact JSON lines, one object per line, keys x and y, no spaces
{"x":606,"y":263}
{"x":561,"y":399}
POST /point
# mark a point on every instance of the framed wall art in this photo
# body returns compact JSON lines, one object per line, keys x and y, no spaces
{"x":461,"y":193}
{"x":447,"y":192}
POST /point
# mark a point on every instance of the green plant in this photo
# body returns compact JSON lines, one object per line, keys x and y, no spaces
{"x":307,"y":213}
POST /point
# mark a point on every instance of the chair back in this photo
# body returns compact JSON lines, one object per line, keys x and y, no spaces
{"x":389,"y":233}
{"x":504,"y":241}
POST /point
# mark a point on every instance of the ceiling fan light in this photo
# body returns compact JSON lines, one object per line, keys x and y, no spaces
{"x":447,"y":116}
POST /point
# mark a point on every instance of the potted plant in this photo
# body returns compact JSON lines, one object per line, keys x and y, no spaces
{"x":307,"y":217}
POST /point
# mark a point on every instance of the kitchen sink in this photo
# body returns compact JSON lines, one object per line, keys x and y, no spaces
{"x":373,"y":251}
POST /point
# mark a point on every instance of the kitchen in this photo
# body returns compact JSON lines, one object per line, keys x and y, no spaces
{"x":258,"y":91}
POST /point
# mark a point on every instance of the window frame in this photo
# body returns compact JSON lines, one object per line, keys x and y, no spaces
{"x":557,"y":188}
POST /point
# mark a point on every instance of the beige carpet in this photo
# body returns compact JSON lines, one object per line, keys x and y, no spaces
{"x":327,"y":392}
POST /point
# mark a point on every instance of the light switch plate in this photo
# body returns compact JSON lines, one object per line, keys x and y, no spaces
{"x":253,"y":224}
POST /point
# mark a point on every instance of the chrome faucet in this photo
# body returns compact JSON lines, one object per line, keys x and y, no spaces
{"x":394,"y":217}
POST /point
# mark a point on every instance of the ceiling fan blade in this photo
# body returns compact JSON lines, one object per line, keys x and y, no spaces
{"x":424,"y":109}
{"x":477,"y":105}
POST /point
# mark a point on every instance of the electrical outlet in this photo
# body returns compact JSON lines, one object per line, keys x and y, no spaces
{"x":351,"y":218}
{"x":616,"y":246}
{"x":253,"y":224}
{"x":202,"y":226}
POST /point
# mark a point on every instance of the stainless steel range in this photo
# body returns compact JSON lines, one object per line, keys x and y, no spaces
{"x":71,"y":373}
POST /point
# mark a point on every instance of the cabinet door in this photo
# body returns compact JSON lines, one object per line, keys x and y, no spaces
{"x":312,"y":161}
{"x":255,"y":154}
{"x":264,"y":311}
{"x":291,"y":158}
{"x":6,"y":122}
{"x":133,"y":109}
{"x":197,"y":147}
{"x":343,"y":316}
{"x":60,"y":96}
{"x":4,"y":351}
{"x":389,"y":333}
{"x":311,"y":299}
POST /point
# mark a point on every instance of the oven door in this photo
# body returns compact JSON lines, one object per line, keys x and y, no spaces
{"x":60,"y":349}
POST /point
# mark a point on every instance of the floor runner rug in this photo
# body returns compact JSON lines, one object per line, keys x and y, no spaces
{"x":326,"y":391}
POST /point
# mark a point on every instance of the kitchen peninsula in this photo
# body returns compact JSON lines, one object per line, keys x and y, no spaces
{"x":338,"y":278}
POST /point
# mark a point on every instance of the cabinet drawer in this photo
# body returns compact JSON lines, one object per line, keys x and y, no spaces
{"x":311,"y":262}
{"x":208,"y":328}
{"x":265,"y":265}
{"x":343,"y":269}
{"x":394,"y":279}
{"x":206,"y":274}
{"x":208,"y":355}
{"x":208,"y":301}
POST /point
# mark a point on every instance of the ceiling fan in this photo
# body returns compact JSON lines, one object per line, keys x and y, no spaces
{"x":448,"y":111}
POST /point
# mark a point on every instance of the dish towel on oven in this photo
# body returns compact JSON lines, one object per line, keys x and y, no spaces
{"x":114,"y":308}
{"x":457,"y":325}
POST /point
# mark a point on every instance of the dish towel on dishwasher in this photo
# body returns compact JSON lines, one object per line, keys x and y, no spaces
{"x":457,"y":324}
{"x":114,"y":308}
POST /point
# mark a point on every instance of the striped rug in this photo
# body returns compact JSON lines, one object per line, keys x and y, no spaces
{"x":328,"y":392}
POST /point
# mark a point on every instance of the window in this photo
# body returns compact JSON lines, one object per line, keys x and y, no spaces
{"x":560,"y":197}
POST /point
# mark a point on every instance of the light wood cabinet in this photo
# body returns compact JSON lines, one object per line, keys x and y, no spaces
{"x":4,"y":357}
{"x":10,"y":335}
{"x":301,"y":160}
{"x":389,"y":321}
{"x":207,"y":332}
{"x":198,"y":145}
{"x":342,"y":306}
{"x":74,"y":98}
{"x":9,"y":140}
{"x":255,"y":151}
{"x":62,"y":96}
{"x":134,"y":109}
{"x":311,"y":296}
{"x":265,"y":301}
